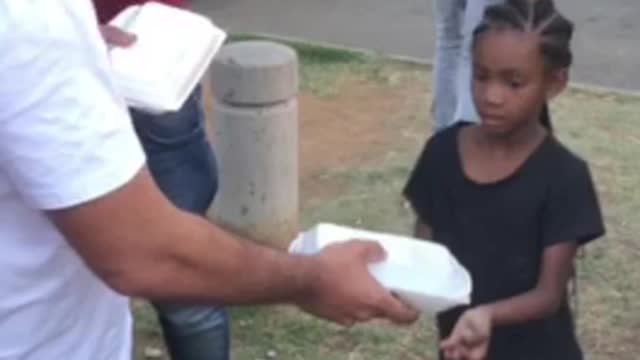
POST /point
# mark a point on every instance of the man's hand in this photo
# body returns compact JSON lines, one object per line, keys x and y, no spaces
{"x":114,"y":36}
{"x":344,"y":291}
{"x":470,"y":337}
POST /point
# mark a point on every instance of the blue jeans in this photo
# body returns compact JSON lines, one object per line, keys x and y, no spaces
{"x":183,"y":165}
{"x":455,"y":22}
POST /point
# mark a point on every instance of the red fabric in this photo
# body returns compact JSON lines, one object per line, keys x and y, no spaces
{"x":107,"y":9}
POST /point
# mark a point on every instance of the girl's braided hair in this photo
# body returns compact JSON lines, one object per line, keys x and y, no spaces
{"x":539,"y":17}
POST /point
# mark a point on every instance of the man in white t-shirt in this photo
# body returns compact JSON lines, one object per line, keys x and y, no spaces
{"x":82,"y":222}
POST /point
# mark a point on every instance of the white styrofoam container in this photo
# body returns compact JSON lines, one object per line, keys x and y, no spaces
{"x":173,"y":49}
{"x":422,"y":273}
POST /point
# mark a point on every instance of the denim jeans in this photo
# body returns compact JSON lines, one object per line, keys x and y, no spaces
{"x":183,"y":165}
{"x":455,"y":22}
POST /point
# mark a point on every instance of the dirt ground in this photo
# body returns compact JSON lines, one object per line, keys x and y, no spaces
{"x":353,"y":128}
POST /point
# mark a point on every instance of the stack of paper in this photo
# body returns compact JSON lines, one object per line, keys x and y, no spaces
{"x":422,"y":273}
{"x":173,"y":49}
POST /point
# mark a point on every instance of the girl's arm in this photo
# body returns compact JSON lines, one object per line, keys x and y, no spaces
{"x":470,"y":337}
{"x":546,"y":297}
{"x":422,"y":230}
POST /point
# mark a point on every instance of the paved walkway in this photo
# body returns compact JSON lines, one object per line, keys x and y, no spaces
{"x":607,"y":42}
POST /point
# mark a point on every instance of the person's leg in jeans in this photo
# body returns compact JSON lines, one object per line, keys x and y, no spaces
{"x":448,"y":17}
{"x":183,"y":165}
{"x":465,"y":107}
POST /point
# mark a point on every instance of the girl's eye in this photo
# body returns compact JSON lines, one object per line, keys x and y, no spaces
{"x":515,"y":83}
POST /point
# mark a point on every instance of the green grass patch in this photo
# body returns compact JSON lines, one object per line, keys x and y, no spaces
{"x":322,"y":68}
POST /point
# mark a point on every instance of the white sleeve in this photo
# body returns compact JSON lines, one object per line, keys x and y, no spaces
{"x":65,"y":135}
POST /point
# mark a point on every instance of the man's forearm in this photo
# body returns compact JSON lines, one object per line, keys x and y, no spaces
{"x":205,"y":264}
{"x":142,"y":245}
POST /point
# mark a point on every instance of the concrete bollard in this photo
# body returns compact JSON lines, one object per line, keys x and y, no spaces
{"x":255,"y":85}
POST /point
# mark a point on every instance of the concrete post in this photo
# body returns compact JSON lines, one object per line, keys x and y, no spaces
{"x":255,"y":84}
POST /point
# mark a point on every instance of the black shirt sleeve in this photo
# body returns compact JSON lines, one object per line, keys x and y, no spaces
{"x":418,"y":190}
{"x":572,"y":212}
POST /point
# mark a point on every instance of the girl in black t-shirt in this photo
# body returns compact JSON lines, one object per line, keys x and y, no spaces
{"x":506,"y":197}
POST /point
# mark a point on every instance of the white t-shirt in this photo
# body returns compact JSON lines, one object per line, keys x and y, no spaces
{"x":65,"y":139}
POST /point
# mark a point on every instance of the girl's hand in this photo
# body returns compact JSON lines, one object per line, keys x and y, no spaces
{"x":469,"y":340}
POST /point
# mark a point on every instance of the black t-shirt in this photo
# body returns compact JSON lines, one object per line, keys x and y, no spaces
{"x":498,"y":231}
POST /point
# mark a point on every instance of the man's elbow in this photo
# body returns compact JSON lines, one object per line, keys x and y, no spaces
{"x":131,"y":281}
{"x":124,"y":284}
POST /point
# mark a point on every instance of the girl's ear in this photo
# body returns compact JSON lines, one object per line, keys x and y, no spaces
{"x":557,"y":82}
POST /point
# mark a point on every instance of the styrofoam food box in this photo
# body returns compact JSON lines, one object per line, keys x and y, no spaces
{"x":174,"y":47}
{"x":422,"y":273}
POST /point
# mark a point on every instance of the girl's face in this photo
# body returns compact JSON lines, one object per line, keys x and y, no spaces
{"x":510,"y":81}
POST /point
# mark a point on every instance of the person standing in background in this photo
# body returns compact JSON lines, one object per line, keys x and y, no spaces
{"x":455,"y":23}
{"x":183,"y":165}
